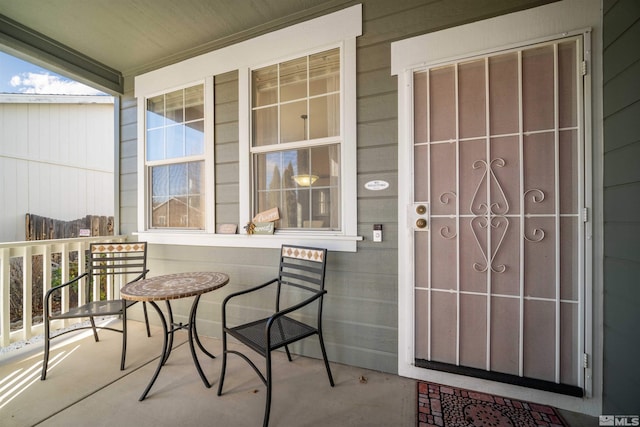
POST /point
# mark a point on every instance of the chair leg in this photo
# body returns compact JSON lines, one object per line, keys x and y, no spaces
{"x":124,"y":335}
{"x":224,"y":362}
{"x":267,"y":409}
{"x":93,"y":326}
{"x":47,"y":344}
{"x":326,"y":361}
{"x":286,"y":348}
{"x":146,"y":318}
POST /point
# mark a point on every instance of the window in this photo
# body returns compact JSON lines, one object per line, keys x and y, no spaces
{"x":296,"y":141}
{"x":268,"y":122}
{"x":175,"y":158}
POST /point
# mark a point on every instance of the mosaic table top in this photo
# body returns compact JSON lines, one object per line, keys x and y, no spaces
{"x":173,"y":286}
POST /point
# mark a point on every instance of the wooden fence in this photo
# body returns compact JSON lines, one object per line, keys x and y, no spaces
{"x":42,"y":228}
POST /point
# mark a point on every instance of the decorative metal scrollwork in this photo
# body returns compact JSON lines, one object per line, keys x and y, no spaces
{"x":496,"y":222}
{"x":537,"y":196}
{"x":447,"y":197}
{"x":489,"y":214}
{"x":446,"y":233}
{"x":494,"y":208}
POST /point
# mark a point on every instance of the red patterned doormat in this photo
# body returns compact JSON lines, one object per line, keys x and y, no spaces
{"x":445,"y":406}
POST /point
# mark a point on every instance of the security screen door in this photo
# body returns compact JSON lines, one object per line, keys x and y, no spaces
{"x":498,"y":218}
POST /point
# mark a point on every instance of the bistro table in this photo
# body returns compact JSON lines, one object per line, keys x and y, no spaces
{"x":167,"y":288}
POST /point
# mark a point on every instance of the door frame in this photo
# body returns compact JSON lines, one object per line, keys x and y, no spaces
{"x":505,"y":32}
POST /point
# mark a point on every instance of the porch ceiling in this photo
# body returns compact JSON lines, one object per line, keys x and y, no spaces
{"x":94,"y":40}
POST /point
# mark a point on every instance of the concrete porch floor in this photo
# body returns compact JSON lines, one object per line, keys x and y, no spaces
{"x":84,"y":387}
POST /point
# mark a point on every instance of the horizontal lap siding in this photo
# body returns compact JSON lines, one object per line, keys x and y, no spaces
{"x":128,"y":164}
{"x":621,"y":105}
{"x":360,"y":319}
{"x":226,"y":148}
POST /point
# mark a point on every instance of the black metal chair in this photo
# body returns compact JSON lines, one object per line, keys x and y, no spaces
{"x":302,"y":270}
{"x":105,"y":263}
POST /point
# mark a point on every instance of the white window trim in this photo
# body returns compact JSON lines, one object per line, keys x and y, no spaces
{"x":339,"y":28}
{"x":552,"y":21}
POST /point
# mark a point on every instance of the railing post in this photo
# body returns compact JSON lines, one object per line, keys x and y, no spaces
{"x":47,"y":275}
{"x":5,"y":306}
{"x":64,"y":277}
{"x":27,"y":292}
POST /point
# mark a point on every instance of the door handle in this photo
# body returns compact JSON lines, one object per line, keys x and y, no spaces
{"x":418,"y":216}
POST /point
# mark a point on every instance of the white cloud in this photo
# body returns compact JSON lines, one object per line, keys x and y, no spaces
{"x":47,"y":84}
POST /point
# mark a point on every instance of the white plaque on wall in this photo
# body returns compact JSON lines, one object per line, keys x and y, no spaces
{"x":376,"y":185}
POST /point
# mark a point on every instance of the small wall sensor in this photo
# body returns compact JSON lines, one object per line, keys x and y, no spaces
{"x":377,"y":232}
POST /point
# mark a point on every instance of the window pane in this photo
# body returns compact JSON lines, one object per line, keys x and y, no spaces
{"x":160,"y":212}
{"x":155,"y":112}
{"x":324,"y":116}
{"x":265,"y":126}
{"x":293,"y":121}
{"x":294,"y":211}
{"x":178,"y":212}
{"x":155,"y":144}
{"x":265,"y":86}
{"x":268,"y":171}
{"x":174,"y":107}
{"x":160,"y":182}
{"x":177,"y":195}
{"x":175,"y":141}
{"x":159,"y":196}
{"x":324,"y":72}
{"x":322,"y":209}
{"x":194,"y":103}
{"x":194,"y":138}
{"x":293,"y":79}
{"x":268,"y":200}
{"x":178,"y":179}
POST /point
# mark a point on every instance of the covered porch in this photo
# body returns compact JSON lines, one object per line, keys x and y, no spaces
{"x":370,"y":316}
{"x":85,"y":387}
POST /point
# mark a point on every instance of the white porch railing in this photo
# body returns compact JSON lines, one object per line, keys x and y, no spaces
{"x":26,"y":251}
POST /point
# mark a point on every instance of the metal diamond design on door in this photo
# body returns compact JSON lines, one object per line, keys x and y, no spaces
{"x":498,"y":240}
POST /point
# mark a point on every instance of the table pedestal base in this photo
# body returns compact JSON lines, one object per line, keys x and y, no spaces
{"x":168,"y":329}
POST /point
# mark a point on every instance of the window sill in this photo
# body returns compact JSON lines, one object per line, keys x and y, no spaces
{"x":332,"y":242}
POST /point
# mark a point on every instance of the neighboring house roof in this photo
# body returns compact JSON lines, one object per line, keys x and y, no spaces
{"x":24,"y":98}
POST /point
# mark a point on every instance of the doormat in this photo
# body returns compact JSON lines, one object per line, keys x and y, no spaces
{"x":444,"y":406}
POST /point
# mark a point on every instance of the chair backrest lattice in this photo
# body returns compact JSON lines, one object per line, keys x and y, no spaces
{"x":302,"y":267}
{"x":106,"y":261}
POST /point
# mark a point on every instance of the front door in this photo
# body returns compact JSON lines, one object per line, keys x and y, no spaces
{"x":498,"y":215}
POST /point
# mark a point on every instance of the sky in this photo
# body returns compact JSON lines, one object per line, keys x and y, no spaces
{"x":18,"y":76}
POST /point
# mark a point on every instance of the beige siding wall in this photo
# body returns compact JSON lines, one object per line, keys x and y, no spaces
{"x":226,"y":148}
{"x":621,"y":205}
{"x":360,"y":319}
{"x":128,"y":164}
